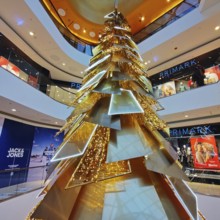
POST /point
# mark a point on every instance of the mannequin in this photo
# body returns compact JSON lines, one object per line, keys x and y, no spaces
{"x":182,"y":88}
{"x":190,"y":83}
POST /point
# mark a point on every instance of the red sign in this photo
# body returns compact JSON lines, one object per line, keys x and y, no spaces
{"x":205,"y":154}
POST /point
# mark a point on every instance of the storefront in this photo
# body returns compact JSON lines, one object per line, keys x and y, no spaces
{"x":198,"y":149}
{"x":197,"y":72}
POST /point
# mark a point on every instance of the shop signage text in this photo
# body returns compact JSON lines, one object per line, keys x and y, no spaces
{"x":167,"y":73}
{"x":199,"y":130}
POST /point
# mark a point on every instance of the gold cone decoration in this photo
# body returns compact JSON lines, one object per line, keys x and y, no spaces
{"x":114,"y":162}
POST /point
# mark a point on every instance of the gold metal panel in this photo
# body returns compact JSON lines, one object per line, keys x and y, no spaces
{"x":145,"y":83}
{"x":136,"y":199}
{"x":89,"y":203}
{"x":85,"y":105}
{"x":108,"y":87}
{"x":51,"y":168}
{"x":97,"y":49}
{"x":58,"y":202}
{"x":89,"y":165}
{"x":117,"y":76}
{"x":94,"y":80}
{"x":99,"y":115}
{"x":126,"y":103}
{"x":76,"y":145}
{"x":98,"y":62}
{"x":170,"y":201}
{"x":92,"y":166}
{"x":127,"y":143}
{"x":61,"y":168}
{"x":188,"y":198}
{"x":160,"y":163}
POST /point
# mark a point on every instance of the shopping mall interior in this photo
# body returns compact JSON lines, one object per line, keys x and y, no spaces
{"x":56,"y":56}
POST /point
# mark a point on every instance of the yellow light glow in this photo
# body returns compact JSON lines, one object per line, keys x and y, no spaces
{"x":217,"y":28}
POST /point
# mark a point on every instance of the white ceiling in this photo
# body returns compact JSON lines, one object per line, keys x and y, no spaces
{"x":27,"y":115}
{"x":44,"y":49}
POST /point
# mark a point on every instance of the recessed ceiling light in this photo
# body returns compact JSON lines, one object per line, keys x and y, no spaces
{"x":84,"y":30}
{"x":63,"y":64}
{"x":186,"y":116}
{"x":61,"y":12}
{"x":14,"y":110}
{"x":217,"y":28}
{"x":31,"y":33}
{"x":142,"y":18}
{"x":56,"y":122}
{"x":76,"y":26}
{"x":92,"y":34}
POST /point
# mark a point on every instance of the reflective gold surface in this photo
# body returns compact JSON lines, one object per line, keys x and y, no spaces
{"x":76,"y":144}
{"x":125,"y":103}
{"x":99,"y":115}
{"x":129,"y":142}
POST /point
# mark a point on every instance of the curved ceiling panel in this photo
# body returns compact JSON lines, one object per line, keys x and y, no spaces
{"x":85,"y":19}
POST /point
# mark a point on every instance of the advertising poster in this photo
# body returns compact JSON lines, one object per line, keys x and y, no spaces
{"x":15,"y":146}
{"x":204,"y":151}
{"x":164,"y":90}
{"x":44,"y":147}
{"x":212,"y":74}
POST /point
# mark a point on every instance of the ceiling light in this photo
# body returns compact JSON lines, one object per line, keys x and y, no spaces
{"x":19,"y":21}
{"x":92,"y":34}
{"x":14,"y":110}
{"x":84,"y":30}
{"x":56,"y":122}
{"x":186,"y":116}
{"x":31,"y":33}
{"x":63,"y":64}
{"x":142,"y":18}
{"x":168,"y":0}
{"x":217,"y":28}
{"x":61,"y":12}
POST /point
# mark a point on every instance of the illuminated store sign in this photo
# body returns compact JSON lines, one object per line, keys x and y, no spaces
{"x":196,"y":130}
{"x":171,"y":71}
{"x":75,"y":85}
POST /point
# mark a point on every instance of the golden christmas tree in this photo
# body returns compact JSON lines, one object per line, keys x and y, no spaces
{"x":113,"y":162}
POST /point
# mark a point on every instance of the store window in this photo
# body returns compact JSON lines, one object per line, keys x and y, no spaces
{"x":191,"y":74}
{"x":198,"y":150}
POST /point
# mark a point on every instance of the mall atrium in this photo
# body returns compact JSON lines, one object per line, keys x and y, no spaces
{"x":109,"y":109}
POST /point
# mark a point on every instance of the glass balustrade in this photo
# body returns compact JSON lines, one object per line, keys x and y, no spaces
{"x":14,"y":182}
